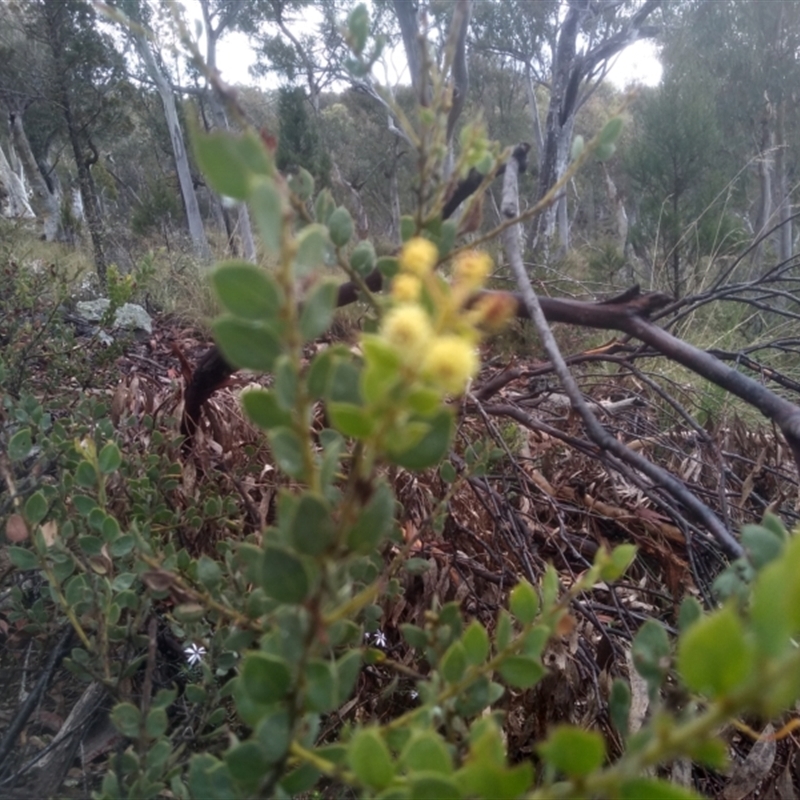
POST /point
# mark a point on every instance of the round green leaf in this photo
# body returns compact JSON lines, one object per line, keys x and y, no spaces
{"x":619,"y":705}
{"x":85,"y":474}
{"x":430,"y":786}
{"x":652,"y":789}
{"x":284,"y":577}
{"x":209,"y":573}
{"x":426,"y":751}
{"x":127,"y":719}
{"x":312,"y":527}
{"x":453,"y":663}
{"x":22,"y":558}
{"x":340,"y":226}
{"x":35,"y":508}
{"x":263,"y":408}
{"x":573,"y":751}
{"x":302,"y":184}
{"x":351,"y":420}
{"x":246,"y":764}
{"x":324,"y":206}
{"x":109,"y":458}
{"x":761,"y":545}
{"x":431,"y":448}
{"x":274,"y":734}
{"x":317,"y":313}
{"x":476,"y":643}
{"x":225,"y":172}
{"x":265,"y":678}
{"x":348,"y":668}
{"x":374,"y":522}
{"x":247,"y":345}
{"x":288,"y":451}
{"x":650,"y":651}
{"x":321,"y":689}
{"x":714,"y":655}
{"x":246,"y":291}
{"x":522,"y":671}
{"x":368,"y":756}
{"x":311,"y":244}
{"x":611,"y":131}
{"x":524,"y":602}
{"x":362,"y":259}
{"x":156,"y":723}
{"x":267,"y":207}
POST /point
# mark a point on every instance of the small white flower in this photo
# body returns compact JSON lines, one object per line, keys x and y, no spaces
{"x":413,"y":694}
{"x":378,"y":639}
{"x":194,"y":653}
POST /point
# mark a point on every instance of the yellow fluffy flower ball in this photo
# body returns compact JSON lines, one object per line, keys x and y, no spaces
{"x":406,"y":288}
{"x":473,"y":268}
{"x":450,"y":362}
{"x":408,"y":329}
{"x":418,"y":256}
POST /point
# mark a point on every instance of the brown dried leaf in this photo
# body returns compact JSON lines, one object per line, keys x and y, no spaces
{"x":158,"y":580}
{"x":49,"y":532}
{"x":747,"y":776}
{"x":16,"y":529}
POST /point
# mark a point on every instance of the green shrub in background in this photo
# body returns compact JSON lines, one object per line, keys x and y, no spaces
{"x":283,"y":614}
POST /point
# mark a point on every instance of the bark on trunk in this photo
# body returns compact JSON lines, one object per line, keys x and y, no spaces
{"x":91,"y":208}
{"x":785,"y":243}
{"x":193,"y":218}
{"x":765,"y":169}
{"x":407,"y":11}
{"x":394,"y":196}
{"x":569,"y":72}
{"x":560,"y":119}
{"x":12,"y":192}
{"x":45,"y":203}
{"x":220,"y":119}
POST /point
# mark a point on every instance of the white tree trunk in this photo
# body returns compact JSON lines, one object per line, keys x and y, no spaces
{"x":16,"y":203}
{"x":785,"y":243}
{"x":221,"y":121}
{"x":243,"y":215}
{"x":620,"y":215}
{"x":45,"y":204}
{"x":195,"y":221}
{"x":394,"y":196}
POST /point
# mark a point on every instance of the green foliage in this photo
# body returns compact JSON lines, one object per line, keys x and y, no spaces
{"x":676,"y":163}
{"x":275,"y":620}
{"x":159,"y":205}
{"x":298,"y":138}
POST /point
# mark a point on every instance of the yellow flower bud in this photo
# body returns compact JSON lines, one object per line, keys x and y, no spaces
{"x":493,"y":310}
{"x":450,"y":362}
{"x":418,"y":256}
{"x":473,"y":268}
{"x":406,"y":288}
{"x":408,"y":329}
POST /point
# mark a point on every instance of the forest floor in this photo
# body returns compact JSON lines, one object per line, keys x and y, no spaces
{"x":536,"y":494}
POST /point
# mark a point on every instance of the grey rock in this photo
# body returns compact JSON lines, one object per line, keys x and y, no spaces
{"x":129,"y":316}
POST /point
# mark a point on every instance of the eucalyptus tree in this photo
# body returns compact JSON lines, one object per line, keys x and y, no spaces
{"x":568,"y":53}
{"x":220,"y":17}
{"x":749,"y":54}
{"x":80,"y":75}
{"x":677,"y":167}
{"x":140,"y":14}
{"x":24,"y":77}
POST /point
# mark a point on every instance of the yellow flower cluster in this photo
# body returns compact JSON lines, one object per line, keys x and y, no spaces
{"x":436,"y":342}
{"x":408,"y":329}
{"x":418,"y":257}
{"x":472,"y":269}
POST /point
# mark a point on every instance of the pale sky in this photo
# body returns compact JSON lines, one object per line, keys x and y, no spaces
{"x":638,"y":63}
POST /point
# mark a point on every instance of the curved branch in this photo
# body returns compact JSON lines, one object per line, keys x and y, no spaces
{"x":596,"y":431}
